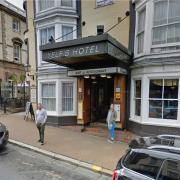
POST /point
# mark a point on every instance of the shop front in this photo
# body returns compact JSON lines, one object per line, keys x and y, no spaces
{"x":101,"y":66}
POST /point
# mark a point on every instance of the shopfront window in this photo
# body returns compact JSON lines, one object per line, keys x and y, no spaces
{"x":49,"y":96}
{"x":137,"y":97}
{"x":67,"y":96}
{"x":163,"y":98}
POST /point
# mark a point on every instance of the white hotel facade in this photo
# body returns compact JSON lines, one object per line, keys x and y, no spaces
{"x":56,"y":91}
{"x":155,"y":73}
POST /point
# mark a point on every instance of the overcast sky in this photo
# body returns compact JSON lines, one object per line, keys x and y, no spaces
{"x":18,"y":3}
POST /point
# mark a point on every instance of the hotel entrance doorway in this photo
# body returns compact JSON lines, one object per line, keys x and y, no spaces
{"x":101,"y":96}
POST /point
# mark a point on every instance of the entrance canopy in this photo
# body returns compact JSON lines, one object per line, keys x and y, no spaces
{"x":89,"y":52}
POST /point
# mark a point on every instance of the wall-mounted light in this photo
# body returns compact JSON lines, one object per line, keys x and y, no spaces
{"x":86,"y":76}
{"x":109,"y":77}
{"x":103,"y":75}
{"x":94,"y":82}
{"x":93,"y":77}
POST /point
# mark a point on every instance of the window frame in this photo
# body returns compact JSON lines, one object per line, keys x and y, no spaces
{"x":64,"y":36}
{"x":73,"y":97}
{"x":67,"y":6}
{"x":138,"y":33}
{"x":14,"y":21}
{"x":55,"y":97}
{"x":167,"y":44}
{"x":137,"y":98}
{"x":104,"y":3}
{"x":16,"y":58}
{"x":163,"y":99}
{"x":43,"y":10}
{"x":47,"y":29}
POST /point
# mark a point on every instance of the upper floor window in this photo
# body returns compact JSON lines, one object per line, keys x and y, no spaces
{"x":140,"y":30}
{"x":166,"y":23}
{"x":68,"y":3}
{"x":17,"y":52}
{"x":100,"y":29}
{"x":67,"y":33}
{"x":100,"y":3}
{"x":45,"y":34}
{"x":45,"y":4}
{"x":16,"y":25}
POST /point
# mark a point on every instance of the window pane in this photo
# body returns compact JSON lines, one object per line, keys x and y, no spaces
{"x":45,"y":34}
{"x":138,"y":107}
{"x":173,"y":33}
{"x":67,"y":96}
{"x":171,"y":89}
{"x":66,"y":3}
{"x":156,"y":87}
{"x":170,"y":110}
{"x":138,"y":88}
{"x":103,"y":2}
{"x":160,"y":12}
{"x":67,"y":33}
{"x":141,"y":20}
{"x":159,"y":35}
{"x":143,"y":163}
{"x":140,"y":42}
{"x":45,"y":4}
{"x":49,"y":96}
{"x":174,"y":11}
{"x":170,"y":171}
{"x":155,"y":109}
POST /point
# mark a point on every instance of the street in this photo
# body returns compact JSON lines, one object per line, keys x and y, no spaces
{"x":20,"y":164}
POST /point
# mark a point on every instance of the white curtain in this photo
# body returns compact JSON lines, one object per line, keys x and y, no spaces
{"x":45,"y":4}
{"x":67,"y":33}
{"x":160,"y":12}
{"x":67,"y":3}
{"x":67,"y":96}
{"x":45,"y":34}
{"x":141,"y":27}
{"x":49,"y":96}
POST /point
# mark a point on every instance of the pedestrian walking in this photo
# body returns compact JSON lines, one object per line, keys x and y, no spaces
{"x":111,"y":118}
{"x":41,"y":117}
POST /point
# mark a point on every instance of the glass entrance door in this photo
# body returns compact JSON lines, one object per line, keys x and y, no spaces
{"x":102,"y":90}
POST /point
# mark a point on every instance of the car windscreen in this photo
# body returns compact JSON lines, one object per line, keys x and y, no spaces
{"x":143,"y":163}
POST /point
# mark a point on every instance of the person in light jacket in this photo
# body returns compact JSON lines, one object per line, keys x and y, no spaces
{"x":41,"y":117}
{"x":111,"y":118}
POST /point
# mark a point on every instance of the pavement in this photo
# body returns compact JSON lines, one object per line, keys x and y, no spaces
{"x":80,"y":148}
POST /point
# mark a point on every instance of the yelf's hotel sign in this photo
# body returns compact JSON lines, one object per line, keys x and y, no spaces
{"x":74,"y":51}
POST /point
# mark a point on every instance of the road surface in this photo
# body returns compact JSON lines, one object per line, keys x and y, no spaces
{"x":20,"y":164}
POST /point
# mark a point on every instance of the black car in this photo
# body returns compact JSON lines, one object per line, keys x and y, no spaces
{"x":4,"y":135}
{"x":153,"y":158}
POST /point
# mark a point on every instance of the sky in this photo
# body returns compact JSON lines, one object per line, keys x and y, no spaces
{"x":18,"y":3}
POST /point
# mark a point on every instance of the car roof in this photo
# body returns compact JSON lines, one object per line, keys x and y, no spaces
{"x":159,"y":152}
{"x":165,"y":140}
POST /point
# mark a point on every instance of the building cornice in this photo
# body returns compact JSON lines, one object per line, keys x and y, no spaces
{"x":9,"y":10}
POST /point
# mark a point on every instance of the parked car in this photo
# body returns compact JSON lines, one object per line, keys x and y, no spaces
{"x":4,"y":135}
{"x":150,"y":158}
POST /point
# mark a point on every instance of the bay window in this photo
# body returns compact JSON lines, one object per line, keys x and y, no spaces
{"x":67,"y":96}
{"x":137,"y":97}
{"x":45,"y":34}
{"x":140,"y":30}
{"x":48,"y":96}
{"x":166,"y":23}
{"x":163,"y":98}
